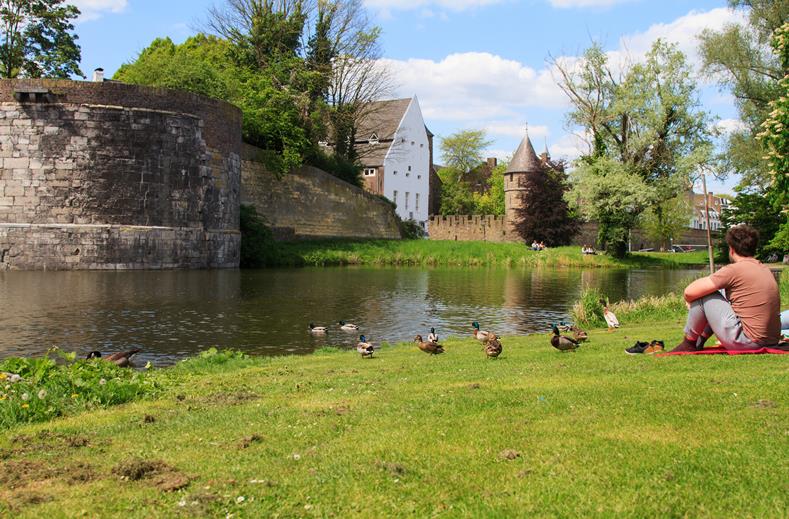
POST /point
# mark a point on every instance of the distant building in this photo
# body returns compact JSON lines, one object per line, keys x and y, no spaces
{"x":717,"y":205}
{"x":396,"y":149}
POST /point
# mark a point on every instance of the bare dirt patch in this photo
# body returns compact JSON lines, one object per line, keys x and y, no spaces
{"x":248,"y":441}
{"x":161,"y":475}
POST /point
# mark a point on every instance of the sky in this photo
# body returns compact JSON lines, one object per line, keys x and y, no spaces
{"x":473,"y":64}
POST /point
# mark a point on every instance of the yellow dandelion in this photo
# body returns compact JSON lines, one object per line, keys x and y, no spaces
{"x":25,"y":406}
{"x":74,"y":395}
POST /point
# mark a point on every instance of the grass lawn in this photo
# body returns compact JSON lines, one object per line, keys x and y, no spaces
{"x":534,"y":433}
{"x":469,"y":253}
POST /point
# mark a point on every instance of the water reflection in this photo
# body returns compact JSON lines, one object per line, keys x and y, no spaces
{"x":177,"y":313}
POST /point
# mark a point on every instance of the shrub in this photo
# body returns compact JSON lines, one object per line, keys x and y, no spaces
{"x":258,"y":247}
{"x":410,"y":230}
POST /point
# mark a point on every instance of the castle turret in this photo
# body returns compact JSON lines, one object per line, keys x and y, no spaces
{"x":524,"y":162}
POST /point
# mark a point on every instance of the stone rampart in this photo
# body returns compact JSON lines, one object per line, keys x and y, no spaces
{"x":109,"y":175}
{"x":470,"y":228}
{"x":496,"y":229}
{"x":310,"y":203}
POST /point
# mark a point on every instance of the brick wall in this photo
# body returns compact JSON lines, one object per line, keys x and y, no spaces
{"x":129,"y":177}
{"x":311,"y":203}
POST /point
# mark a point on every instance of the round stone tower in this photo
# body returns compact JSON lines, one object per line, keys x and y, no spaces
{"x":524,"y":162}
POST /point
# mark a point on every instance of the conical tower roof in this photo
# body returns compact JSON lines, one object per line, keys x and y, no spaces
{"x":525,"y":159}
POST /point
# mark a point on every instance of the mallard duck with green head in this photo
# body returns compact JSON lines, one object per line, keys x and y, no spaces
{"x":480,"y":335}
{"x":562,"y":342}
{"x":318,"y":330}
{"x":365,"y":348}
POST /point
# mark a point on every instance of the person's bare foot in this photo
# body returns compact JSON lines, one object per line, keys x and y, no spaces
{"x":685,"y":345}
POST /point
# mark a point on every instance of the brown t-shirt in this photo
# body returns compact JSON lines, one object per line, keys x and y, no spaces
{"x":753,"y":293}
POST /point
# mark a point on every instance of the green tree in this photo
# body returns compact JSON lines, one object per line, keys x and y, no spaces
{"x":606,"y":192}
{"x":741,"y":59}
{"x":646,"y":120}
{"x":38,"y":39}
{"x":676,"y":212}
{"x":544,"y":214}
{"x":456,"y":196}
{"x":463,"y":150}
{"x":492,"y":200}
{"x":775,"y":140}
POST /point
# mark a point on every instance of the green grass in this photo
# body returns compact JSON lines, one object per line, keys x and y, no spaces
{"x":594,"y":433}
{"x":452,"y":253}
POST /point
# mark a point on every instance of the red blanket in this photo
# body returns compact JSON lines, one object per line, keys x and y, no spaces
{"x":721,"y":350}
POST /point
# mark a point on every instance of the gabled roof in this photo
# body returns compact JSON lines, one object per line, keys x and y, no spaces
{"x":383,"y":118}
{"x":525,"y":159}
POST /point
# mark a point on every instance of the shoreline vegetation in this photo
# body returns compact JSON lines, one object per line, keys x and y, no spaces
{"x":533,"y":432}
{"x":323,"y":253}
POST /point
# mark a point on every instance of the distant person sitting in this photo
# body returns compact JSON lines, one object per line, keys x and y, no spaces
{"x":748,"y":316}
{"x":535,"y":245}
{"x":542,"y":245}
{"x":587,"y":250}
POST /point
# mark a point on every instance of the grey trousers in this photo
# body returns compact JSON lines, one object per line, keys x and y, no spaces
{"x":713,"y":314}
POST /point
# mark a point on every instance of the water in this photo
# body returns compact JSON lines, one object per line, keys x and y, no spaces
{"x":173,"y":314}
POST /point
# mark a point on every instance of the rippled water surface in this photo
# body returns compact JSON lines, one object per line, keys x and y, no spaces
{"x":173,"y":314}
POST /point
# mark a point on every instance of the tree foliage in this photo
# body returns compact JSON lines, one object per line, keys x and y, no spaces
{"x":463,"y":150}
{"x":458,"y":197}
{"x":741,"y":59}
{"x":38,"y":39}
{"x":544,"y":214}
{"x":675,"y":212}
{"x":645,"y":122}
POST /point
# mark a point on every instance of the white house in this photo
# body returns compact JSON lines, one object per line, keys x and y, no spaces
{"x":396,"y":149}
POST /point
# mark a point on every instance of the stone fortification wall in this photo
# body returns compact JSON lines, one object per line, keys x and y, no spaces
{"x":470,"y":228}
{"x":109,"y":175}
{"x":311,"y":203}
{"x":496,"y":229}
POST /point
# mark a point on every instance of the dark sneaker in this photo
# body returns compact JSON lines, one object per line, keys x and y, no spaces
{"x":637,"y":348}
{"x":655,"y":347}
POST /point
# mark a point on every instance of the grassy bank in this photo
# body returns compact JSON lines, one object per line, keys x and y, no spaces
{"x":536,"y":432}
{"x":452,"y":253}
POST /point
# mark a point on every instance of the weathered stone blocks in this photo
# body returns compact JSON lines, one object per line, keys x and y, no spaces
{"x":132,"y":177}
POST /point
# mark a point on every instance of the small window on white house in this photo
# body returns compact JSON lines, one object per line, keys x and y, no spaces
{"x":369,"y":172}
{"x":373,"y":139}
{"x":408,"y":174}
{"x":409,"y":168}
{"x":394,"y":197}
{"x":411,"y":215}
{"x":421,"y":145}
{"x":394,"y":172}
{"x":406,"y":199}
{"x":416,"y":202}
{"x":412,"y":143}
{"x":418,"y":177}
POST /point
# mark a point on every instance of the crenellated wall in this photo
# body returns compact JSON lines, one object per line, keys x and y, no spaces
{"x":109,"y":175}
{"x":470,"y":228}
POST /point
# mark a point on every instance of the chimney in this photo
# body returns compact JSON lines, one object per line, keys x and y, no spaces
{"x":492,"y":162}
{"x":98,"y":75}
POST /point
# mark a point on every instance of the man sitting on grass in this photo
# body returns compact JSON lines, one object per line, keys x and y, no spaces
{"x":748,"y":316}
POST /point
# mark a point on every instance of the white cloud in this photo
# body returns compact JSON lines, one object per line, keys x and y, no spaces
{"x":729,"y":126}
{"x":564,"y":4}
{"x":93,"y":9}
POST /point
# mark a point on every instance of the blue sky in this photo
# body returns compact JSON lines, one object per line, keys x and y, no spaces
{"x":472,"y":63}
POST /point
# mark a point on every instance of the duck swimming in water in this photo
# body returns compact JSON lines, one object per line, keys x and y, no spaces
{"x":318,"y":330}
{"x":348,"y":327}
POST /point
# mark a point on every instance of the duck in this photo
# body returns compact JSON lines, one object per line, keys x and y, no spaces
{"x":493,"y":347}
{"x":564,"y":327}
{"x":428,"y":347}
{"x":364,"y":348}
{"x":578,"y":334}
{"x":318,"y":330}
{"x":610,"y":319}
{"x":480,"y":335}
{"x":348,"y":327}
{"x":562,"y":342}
{"x":433,"y":336}
{"x":120,"y":358}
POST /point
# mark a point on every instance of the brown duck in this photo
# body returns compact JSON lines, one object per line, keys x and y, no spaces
{"x":120,"y":358}
{"x":493,"y":347}
{"x":562,"y":342}
{"x":432,"y":348}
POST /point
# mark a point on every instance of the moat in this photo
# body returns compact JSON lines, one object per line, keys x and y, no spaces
{"x":174,"y":314}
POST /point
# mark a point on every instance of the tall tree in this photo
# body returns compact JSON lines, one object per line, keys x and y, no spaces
{"x":544,"y":215}
{"x":741,"y":59}
{"x":463,"y":150}
{"x":38,"y":39}
{"x":646,"y":118}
